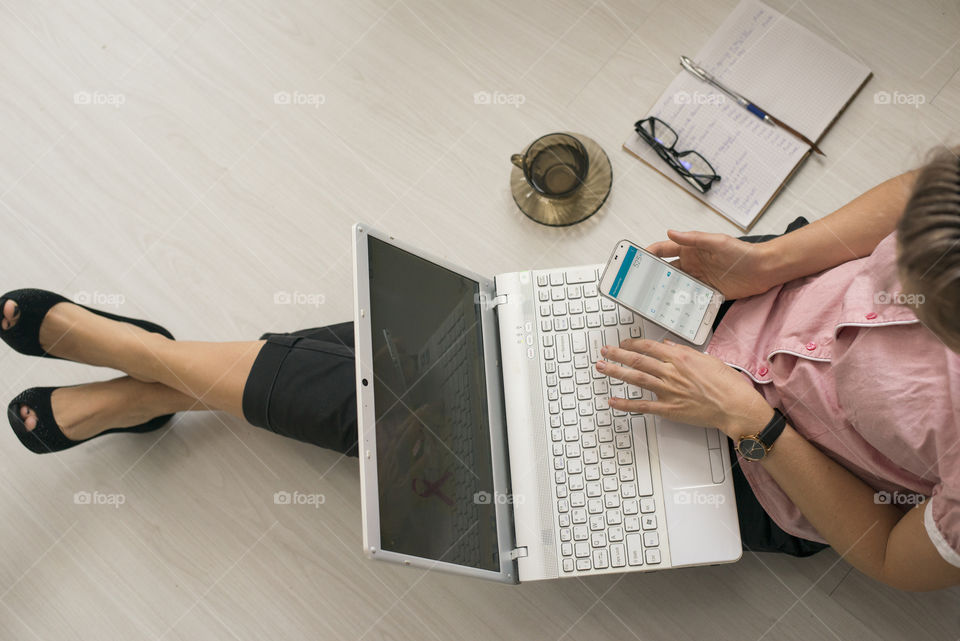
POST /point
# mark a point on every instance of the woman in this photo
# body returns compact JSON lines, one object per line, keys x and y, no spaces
{"x":847,"y":326}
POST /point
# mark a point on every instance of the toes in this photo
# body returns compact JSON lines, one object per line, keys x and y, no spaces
{"x":11,"y":314}
{"x":29,"y":417}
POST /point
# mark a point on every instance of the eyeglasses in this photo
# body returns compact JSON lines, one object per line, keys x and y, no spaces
{"x":693,"y":167}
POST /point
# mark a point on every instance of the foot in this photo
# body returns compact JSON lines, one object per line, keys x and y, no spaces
{"x":76,"y":334}
{"x":11,"y":314}
{"x":87,"y":410}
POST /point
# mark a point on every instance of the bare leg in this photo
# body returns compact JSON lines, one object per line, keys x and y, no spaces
{"x":84,"y":411}
{"x":214,"y":374}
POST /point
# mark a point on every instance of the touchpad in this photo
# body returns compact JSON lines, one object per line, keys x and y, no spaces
{"x":684,"y":454}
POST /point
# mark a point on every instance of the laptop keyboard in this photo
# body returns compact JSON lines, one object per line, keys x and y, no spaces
{"x":606,"y":512}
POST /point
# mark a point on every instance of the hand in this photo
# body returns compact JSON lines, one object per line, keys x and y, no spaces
{"x":737,"y":268}
{"x":691,"y":387}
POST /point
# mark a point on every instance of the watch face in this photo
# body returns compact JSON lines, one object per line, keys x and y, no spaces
{"x":751,"y":449}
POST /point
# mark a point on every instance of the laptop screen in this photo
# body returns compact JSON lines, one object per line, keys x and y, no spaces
{"x":434,"y":466}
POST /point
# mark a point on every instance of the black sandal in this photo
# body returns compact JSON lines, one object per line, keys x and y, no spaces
{"x":34,"y":304}
{"x":47,"y":435}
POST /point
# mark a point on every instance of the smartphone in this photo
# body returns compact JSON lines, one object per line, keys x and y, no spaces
{"x":661,"y":293}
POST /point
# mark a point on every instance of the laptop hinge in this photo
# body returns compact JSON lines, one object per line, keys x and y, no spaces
{"x":518,"y":553}
{"x":494,"y":302}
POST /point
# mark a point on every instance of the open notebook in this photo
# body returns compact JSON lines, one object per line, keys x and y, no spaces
{"x":780,"y":66}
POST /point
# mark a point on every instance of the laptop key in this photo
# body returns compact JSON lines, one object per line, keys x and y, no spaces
{"x":618,"y":557}
{"x":568,"y":565}
{"x":634,"y":549}
{"x":580,"y":275}
{"x":644,"y":479}
{"x":600,"y":559}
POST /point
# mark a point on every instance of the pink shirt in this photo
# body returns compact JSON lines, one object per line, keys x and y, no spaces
{"x":843,"y":356}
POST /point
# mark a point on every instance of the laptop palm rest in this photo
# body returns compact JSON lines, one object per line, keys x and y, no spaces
{"x":697,"y":508}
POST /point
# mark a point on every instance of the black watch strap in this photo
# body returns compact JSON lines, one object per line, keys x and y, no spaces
{"x":773,"y":430}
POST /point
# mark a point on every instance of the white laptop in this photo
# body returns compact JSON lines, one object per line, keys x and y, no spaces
{"x":486,"y":444}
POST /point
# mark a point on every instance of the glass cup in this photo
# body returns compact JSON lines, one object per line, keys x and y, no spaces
{"x":554,"y":165}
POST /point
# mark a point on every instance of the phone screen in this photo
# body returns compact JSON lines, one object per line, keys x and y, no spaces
{"x":661,"y":293}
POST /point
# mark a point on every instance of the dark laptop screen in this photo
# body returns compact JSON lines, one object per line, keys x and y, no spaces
{"x":434,"y":467}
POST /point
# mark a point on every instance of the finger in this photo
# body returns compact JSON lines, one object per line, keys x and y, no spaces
{"x":637,"y":406}
{"x":636,"y":360}
{"x":656,"y":349}
{"x":632,"y":376}
{"x":625,"y":374}
{"x":664,"y":249}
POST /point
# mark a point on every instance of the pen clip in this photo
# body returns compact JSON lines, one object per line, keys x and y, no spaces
{"x":690,"y":66}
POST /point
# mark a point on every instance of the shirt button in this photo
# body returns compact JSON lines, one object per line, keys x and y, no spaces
{"x":763,"y":371}
{"x":871,"y":315}
{"x":811,"y":346}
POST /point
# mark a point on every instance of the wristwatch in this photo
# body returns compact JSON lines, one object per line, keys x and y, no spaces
{"x":755,"y":448}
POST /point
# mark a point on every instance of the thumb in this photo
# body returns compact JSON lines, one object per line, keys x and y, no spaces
{"x":697,"y":239}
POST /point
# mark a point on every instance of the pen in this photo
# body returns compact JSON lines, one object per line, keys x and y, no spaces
{"x":690,"y":66}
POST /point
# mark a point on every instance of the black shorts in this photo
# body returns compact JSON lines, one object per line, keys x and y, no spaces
{"x":302,"y":385}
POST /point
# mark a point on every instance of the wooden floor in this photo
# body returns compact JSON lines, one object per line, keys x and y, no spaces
{"x":191,"y":162}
